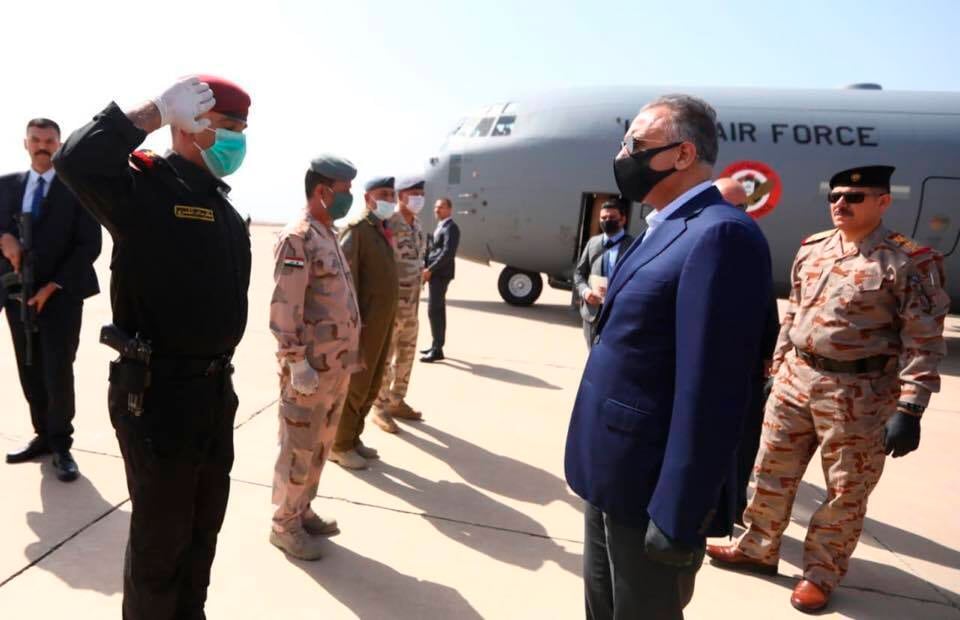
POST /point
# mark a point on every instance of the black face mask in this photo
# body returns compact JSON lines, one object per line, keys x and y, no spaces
{"x":610,"y":227}
{"x":635,"y":178}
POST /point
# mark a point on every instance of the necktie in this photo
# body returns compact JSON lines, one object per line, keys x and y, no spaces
{"x":37,"y":198}
{"x":605,"y":267}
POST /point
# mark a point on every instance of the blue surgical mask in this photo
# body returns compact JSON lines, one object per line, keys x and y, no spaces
{"x":384,"y":209}
{"x":226,"y":153}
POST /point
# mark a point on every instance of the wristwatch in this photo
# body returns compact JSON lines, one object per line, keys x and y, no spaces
{"x":911,"y":408}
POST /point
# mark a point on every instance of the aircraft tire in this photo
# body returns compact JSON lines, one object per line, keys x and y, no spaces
{"x":518,"y":287}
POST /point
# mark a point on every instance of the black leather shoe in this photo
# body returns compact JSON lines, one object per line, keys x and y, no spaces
{"x":435,"y":355}
{"x":67,"y":470}
{"x":37,"y":447}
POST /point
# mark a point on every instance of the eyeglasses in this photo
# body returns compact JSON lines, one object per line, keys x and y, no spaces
{"x":852,"y":198}
{"x":633,"y":145}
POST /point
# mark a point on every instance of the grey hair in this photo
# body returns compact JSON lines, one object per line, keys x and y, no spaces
{"x":692,"y":120}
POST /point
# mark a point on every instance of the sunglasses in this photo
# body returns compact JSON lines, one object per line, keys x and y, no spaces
{"x":852,"y":198}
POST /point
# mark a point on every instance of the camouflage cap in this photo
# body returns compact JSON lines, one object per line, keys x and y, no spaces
{"x":333,"y":167}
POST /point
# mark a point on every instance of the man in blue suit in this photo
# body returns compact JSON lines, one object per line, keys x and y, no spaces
{"x":654,"y":431}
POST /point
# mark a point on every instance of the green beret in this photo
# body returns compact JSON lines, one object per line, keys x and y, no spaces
{"x":333,"y":167}
{"x":378,"y":183}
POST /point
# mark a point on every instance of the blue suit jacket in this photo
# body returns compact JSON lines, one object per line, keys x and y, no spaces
{"x":658,"y":415}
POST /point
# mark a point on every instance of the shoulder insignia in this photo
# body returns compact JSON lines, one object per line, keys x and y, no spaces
{"x":908,"y":245}
{"x":293,"y":261}
{"x":818,"y":237}
{"x":144,"y":160}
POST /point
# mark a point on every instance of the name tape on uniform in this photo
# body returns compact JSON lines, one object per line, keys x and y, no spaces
{"x":193,"y":213}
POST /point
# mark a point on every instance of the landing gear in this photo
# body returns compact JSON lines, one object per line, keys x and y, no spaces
{"x":519,"y":288}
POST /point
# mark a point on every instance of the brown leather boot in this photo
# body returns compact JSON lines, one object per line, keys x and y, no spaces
{"x":729,"y":557}
{"x":808,"y":597}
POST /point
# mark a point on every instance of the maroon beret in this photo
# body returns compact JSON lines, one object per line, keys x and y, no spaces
{"x":232,"y":100}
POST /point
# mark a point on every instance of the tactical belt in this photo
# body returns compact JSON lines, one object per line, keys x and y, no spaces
{"x":191,"y":366}
{"x":866,"y":364}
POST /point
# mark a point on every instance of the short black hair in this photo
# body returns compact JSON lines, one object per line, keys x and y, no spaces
{"x":312,"y":179}
{"x":615,"y":204}
{"x":43,"y":123}
{"x":446,"y":200}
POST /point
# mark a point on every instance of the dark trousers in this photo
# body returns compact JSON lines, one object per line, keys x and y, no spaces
{"x":437,"y":311}
{"x":750,"y":441}
{"x":48,"y":383}
{"x":621,"y":582}
{"x":177,"y":455}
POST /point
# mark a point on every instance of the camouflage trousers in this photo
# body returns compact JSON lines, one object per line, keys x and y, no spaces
{"x":845,"y":415}
{"x":308,"y":425}
{"x":403,"y":348}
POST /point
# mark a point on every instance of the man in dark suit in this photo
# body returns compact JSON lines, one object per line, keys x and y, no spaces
{"x":656,"y":422}
{"x":440,"y":267}
{"x":66,"y":242}
{"x":598,"y":258}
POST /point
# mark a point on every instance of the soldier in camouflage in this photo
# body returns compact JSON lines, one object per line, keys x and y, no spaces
{"x":409,"y":249}
{"x":855,"y":364}
{"x":315,"y":318}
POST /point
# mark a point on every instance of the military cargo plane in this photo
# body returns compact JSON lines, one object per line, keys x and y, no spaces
{"x":527,"y":177}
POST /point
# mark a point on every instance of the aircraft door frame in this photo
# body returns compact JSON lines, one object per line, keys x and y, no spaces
{"x":946,"y":212}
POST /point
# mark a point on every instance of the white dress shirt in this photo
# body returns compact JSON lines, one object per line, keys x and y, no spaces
{"x":655,"y":218}
{"x":32,"y":176}
{"x":440,"y":225}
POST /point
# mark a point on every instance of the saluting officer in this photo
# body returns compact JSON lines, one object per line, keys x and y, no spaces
{"x":181,"y":267}
{"x":410,"y":245}
{"x":314,"y":316}
{"x":368,"y":245}
{"x":855,"y":364}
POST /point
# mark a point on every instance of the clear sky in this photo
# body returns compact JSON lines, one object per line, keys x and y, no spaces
{"x":382,"y":81}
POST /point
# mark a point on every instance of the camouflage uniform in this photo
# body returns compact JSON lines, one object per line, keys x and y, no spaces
{"x":314,"y":316}
{"x":409,"y":249}
{"x":883,"y":296}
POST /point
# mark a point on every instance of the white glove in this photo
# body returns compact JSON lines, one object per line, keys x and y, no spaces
{"x":182,"y":103}
{"x":303,"y":378}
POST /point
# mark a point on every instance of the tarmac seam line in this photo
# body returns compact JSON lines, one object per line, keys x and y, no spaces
{"x":903,"y":596}
{"x":256,"y":413}
{"x":60,"y":544}
{"x":426,"y":515}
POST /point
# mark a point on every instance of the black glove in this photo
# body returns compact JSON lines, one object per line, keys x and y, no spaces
{"x":663,"y":549}
{"x":902,"y":434}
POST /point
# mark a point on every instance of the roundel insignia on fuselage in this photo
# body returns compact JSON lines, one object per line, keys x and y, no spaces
{"x":761,"y":183}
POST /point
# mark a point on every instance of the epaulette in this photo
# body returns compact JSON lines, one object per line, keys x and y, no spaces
{"x":144,"y":160}
{"x":818,"y":237}
{"x":908,"y":245}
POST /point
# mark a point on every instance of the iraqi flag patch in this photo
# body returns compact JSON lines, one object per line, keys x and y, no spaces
{"x":293,"y":261}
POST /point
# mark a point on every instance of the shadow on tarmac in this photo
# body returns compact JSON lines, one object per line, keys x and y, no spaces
{"x":435,"y":499}
{"x":489,"y":471}
{"x":498,"y":374}
{"x":61,"y":501}
{"x":371,"y":589}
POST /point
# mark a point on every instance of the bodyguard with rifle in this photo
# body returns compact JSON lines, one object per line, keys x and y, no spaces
{"x":49,"y":243}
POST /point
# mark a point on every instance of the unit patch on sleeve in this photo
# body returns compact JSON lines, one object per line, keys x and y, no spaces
{"x":293,"y":261}
{"x":185,"y":212}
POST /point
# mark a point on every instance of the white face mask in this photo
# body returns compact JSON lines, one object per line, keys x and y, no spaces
{"x":415,"y":204}
{"x":384,"y":209}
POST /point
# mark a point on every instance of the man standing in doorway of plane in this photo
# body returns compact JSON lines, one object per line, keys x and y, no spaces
{"x":655,"y":425}
{"x":597,"y":261}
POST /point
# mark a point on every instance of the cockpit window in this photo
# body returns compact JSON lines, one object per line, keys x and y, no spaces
{"x":503,"y":126}
{"x":483,"y":127}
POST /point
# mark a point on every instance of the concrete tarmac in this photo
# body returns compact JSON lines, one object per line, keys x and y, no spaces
{"x":467,"y":515}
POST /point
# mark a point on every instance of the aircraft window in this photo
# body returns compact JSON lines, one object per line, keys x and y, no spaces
{"x":453,"y":176}
{"x":483,"y":127}
{"x":504,"y":126}
{"x":466,"y":126}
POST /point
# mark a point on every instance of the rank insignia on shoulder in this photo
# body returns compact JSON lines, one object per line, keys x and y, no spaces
{"x":143,"y":160}
{"x":293,"y":261}
{"x":818,"y":237}
{"x":911,"y":247}
{"x":185,"y":212}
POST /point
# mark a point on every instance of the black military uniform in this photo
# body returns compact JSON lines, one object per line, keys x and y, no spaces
{"x":181,"y":269}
